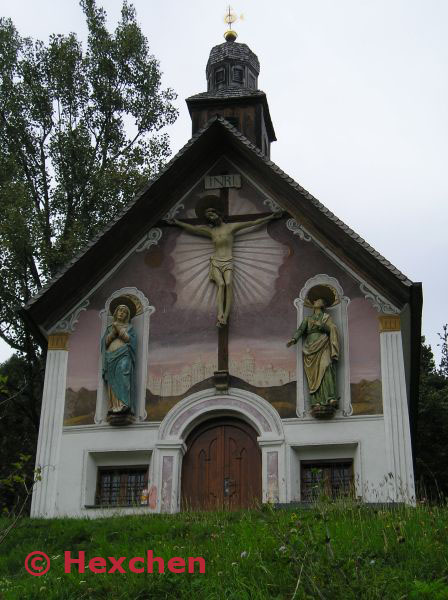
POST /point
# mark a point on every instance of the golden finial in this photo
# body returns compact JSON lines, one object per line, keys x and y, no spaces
{"x":231,"y":17}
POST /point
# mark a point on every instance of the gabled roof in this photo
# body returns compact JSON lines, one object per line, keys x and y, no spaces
{"x":150,"y":205}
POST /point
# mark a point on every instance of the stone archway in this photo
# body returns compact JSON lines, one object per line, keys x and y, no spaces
{"x":185,"y":416}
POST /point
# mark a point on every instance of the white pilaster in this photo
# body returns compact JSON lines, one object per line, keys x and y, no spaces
{"x":50,"y":430}
{"x":167,"y":470}
{"x":273,"y":470}
{"x":396,"y":412}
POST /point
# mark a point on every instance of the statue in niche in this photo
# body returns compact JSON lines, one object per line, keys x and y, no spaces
{"x":221,"y":261}
{"x":320,"y":352}
{"x":118,"y":349}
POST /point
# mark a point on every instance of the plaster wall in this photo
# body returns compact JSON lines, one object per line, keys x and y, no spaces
{"x":85,"y":448}
{"x":169,"y":271}
{"x":361,"y":438}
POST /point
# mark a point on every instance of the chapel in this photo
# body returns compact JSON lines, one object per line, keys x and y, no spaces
{"x":227,"y":341}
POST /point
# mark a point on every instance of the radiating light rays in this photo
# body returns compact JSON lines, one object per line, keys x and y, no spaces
{"x":256,"y":260}
{"x":242,"y":205}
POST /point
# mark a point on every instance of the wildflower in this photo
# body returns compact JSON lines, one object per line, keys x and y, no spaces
{"x":372,"y":562}
{"x":244,"y":554}
{"x":82,"y":582}
{"x":282,"y":549}
{"x":234,"y":564}
{"x":55,"y":557}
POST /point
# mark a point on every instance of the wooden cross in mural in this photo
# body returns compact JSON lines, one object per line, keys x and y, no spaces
{"x":215,"y":223}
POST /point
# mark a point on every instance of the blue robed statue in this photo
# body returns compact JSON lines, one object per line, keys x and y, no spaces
{"x":118,"y":349}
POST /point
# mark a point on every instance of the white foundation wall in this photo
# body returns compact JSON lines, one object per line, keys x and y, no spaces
{"x":360,"y":438}
{"x":84,"y":449}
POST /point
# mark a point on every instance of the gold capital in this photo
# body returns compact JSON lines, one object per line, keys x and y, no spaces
{"x":389,"y":323}
{"x":58,"y":341}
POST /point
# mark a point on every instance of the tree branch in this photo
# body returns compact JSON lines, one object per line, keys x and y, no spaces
{"x":10,"y":343}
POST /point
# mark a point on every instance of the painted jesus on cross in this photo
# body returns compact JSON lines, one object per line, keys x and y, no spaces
{"x":221,"y":261}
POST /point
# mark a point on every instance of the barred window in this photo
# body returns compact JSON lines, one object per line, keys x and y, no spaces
{"x":121,"y":486}
{"x":331,"y":478}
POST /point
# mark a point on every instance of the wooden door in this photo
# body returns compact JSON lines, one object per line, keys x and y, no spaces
{"x":222,"y":467}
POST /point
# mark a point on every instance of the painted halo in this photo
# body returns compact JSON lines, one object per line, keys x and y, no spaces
{"x":209,"y":201}
{"x":324,"y":291}
{"x":127,"y":301}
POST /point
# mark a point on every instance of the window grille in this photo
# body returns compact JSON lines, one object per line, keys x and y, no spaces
{"x":121,"y":487}
{"x":332,"y":479}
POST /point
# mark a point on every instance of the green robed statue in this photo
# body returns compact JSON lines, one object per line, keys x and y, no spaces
{"x":320,"y":352}
{"x":118,"y":349}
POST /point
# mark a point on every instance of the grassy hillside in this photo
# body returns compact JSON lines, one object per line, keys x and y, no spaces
{"x":331,"y":551}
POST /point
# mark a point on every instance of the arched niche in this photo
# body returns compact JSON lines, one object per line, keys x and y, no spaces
{"x":141,"y":325}
{"x":340,"y":318}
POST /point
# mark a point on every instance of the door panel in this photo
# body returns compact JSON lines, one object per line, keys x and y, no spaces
{"x":222,"y":467}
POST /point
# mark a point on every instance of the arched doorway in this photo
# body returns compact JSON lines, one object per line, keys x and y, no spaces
{"x":222,"y":466}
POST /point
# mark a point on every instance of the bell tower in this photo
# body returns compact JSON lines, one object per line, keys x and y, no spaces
{"x":232,"y":92}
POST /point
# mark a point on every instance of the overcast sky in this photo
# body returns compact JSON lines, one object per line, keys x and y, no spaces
{"x":358,"y":94}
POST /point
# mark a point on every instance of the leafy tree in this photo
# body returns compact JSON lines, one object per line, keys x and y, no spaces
{"x":78,"y":137}
{"x":19,"y":427}
{"x":443,"y":370}
{"x":432,"y":446}
{"x":80,"y":132}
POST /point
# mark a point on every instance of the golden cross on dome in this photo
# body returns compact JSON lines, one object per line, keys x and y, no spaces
{"x":231,"y":17}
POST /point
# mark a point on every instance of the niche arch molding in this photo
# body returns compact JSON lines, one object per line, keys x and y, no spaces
{"x":141,"y":322}
{"x":340,"y":317}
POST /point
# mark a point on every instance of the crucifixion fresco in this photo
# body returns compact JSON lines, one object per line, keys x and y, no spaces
{"x":221,"y":261}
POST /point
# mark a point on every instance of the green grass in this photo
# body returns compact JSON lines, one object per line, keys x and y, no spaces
{"x":332,"y":551}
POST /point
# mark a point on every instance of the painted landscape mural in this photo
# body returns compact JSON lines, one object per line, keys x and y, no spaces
{"x":270,"y":267}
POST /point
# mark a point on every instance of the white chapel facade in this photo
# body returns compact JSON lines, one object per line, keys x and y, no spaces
{"x":227,"y":340}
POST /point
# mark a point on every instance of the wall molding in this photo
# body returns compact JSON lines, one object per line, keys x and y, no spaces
{"x":68,"y":323}
{"x":189,"y":412}
{"x":152,"y":238}
{"x":298,"y":230}
{"x":377,"y":301}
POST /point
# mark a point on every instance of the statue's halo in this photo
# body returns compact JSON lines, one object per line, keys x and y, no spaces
{"x":326,"y":292}
{"x":127,"y":302}
{"x":209,"y":202}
